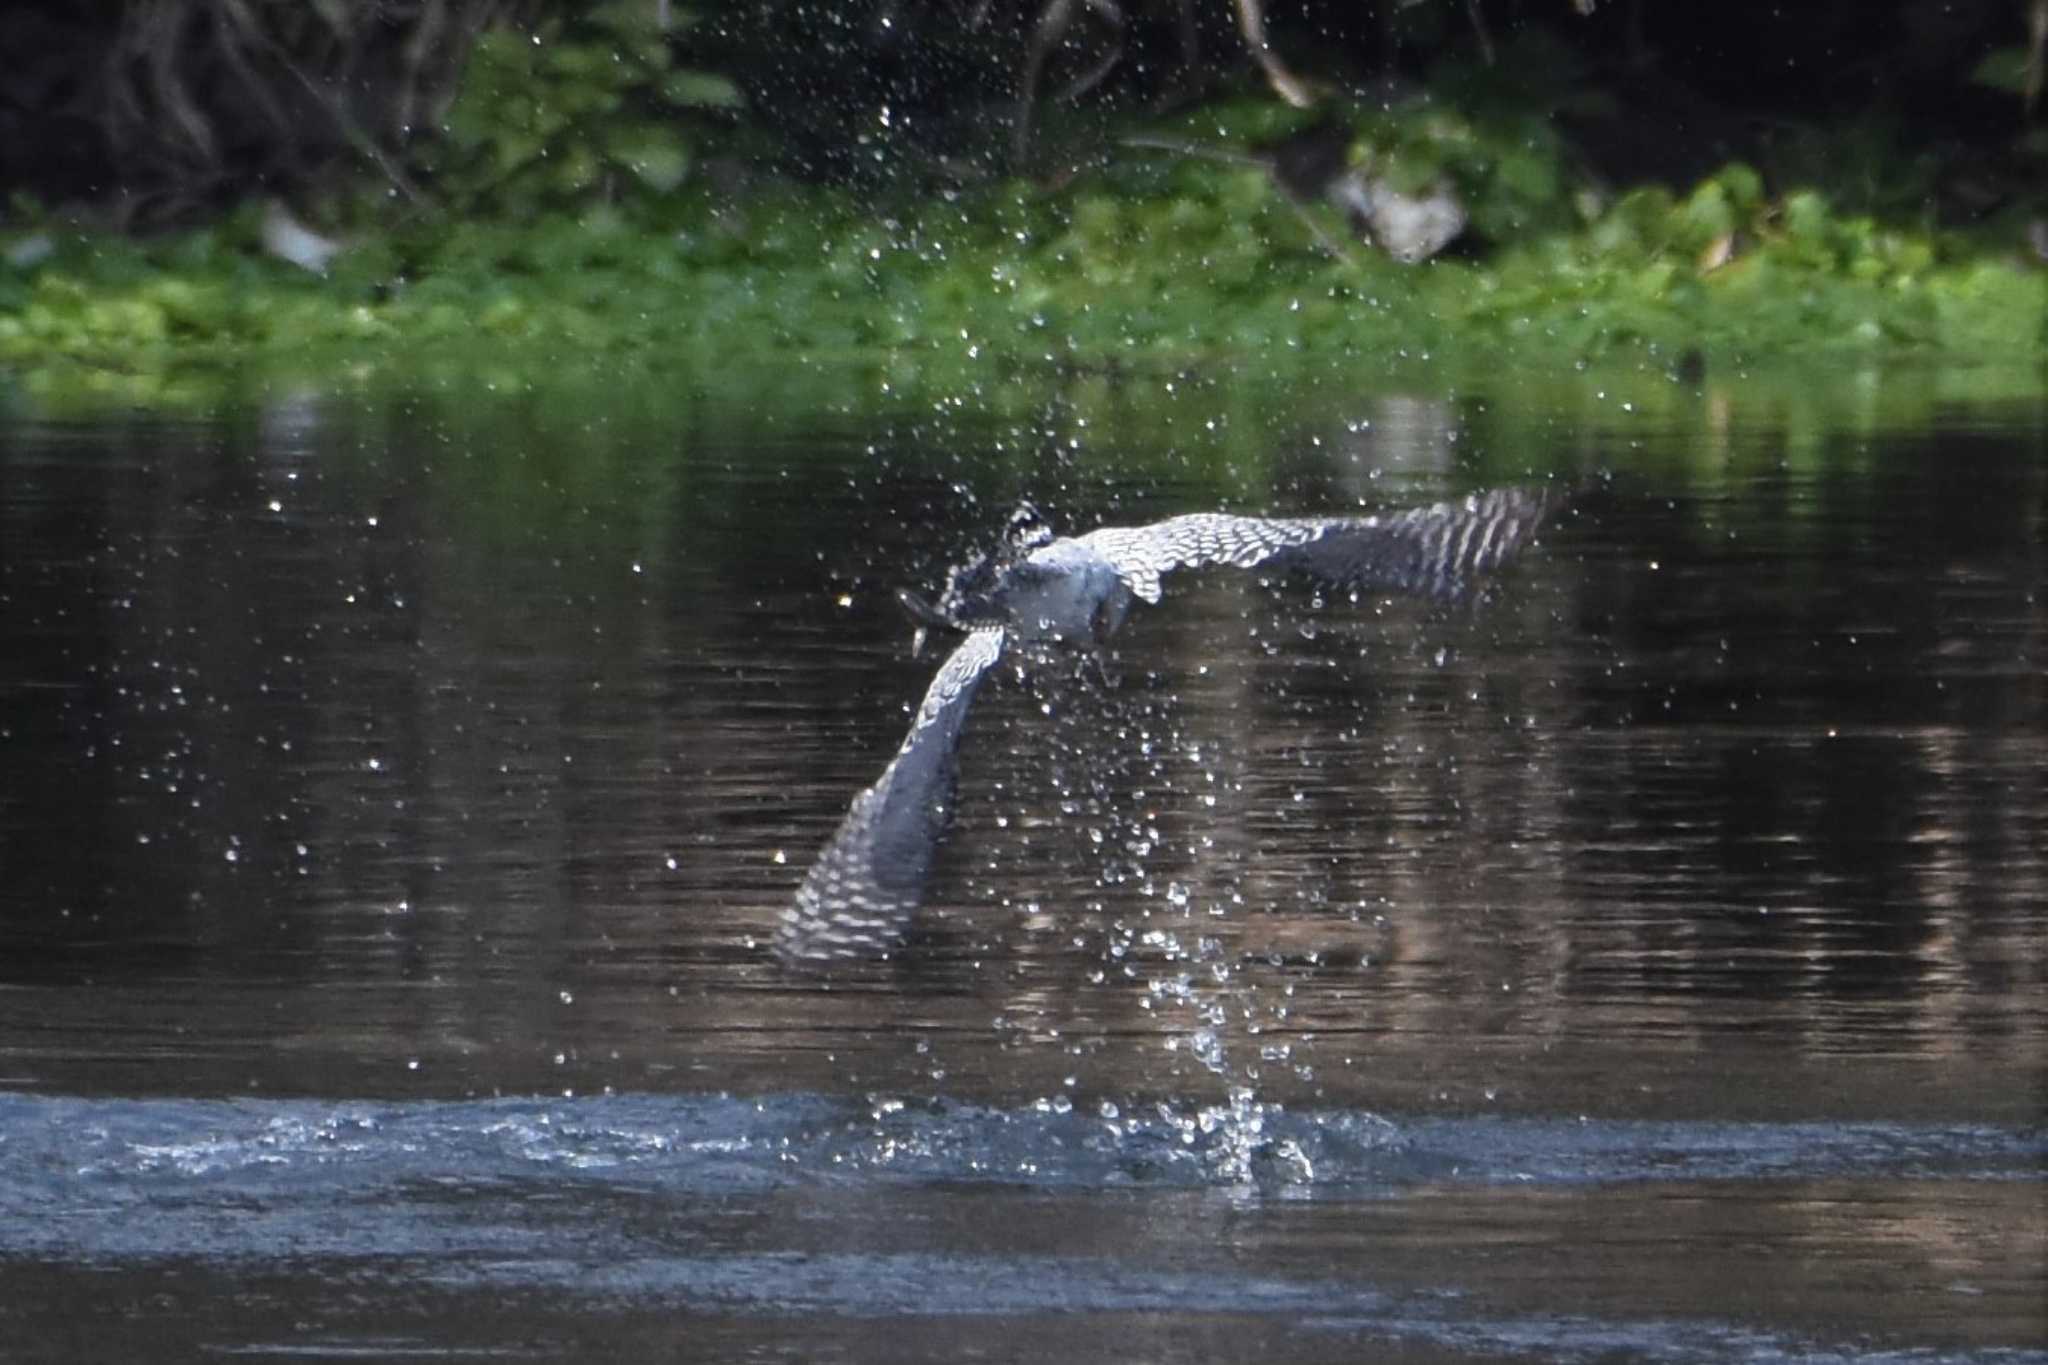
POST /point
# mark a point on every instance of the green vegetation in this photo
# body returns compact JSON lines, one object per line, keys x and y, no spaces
{"x":596,"y":199}
{"x":1146,"y":266}
{"x":547,"y":119}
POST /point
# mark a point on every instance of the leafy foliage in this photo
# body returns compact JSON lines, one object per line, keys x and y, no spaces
{"x":580,"y":149}
{"x":590,"y":106}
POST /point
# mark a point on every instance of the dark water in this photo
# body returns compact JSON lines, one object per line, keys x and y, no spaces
{"x":1644,"y":961}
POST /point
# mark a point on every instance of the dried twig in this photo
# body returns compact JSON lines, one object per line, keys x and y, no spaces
{"x":1251,"y":21}
{"x":1480,"y":30}
{"x":2037,"y":54}
{"x":1053,"y":22}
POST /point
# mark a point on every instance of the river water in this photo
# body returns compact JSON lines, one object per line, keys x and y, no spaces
{"x":1642,"y":960}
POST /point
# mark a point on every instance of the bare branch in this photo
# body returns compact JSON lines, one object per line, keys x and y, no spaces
{"x":1251,"y":21}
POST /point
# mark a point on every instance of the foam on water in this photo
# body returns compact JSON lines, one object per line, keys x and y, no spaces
{"x":89,"y":1178}
{"x":628,"y":1200}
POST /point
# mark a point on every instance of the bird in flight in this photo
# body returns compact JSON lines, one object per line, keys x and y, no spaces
{"x":1037,"y":589}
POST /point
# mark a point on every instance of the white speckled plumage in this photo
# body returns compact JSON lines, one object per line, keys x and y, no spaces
{"x":861,"y":894}
{"x":1436,"y":550}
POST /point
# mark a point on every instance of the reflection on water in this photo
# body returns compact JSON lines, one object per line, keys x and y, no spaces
{"x":437,"y":747}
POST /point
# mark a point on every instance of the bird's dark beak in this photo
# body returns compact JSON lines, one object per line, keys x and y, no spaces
{"x":924,"y":613}
{"x":918,"y":608}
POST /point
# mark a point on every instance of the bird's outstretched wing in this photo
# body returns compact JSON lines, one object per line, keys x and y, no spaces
{"x":858,"y":898}
{"x":1434,"y":550}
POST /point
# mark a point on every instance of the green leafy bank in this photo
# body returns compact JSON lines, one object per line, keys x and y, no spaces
{"x":589,"y":208}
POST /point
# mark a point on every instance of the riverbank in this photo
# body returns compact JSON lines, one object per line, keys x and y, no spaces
{"x":1149,"y":263}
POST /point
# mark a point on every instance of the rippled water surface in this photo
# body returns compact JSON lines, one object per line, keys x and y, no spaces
{"x":1644,"y":960}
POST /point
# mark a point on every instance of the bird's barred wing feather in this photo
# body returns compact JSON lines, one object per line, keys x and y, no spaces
{"x":860,"y":895}
{"x":1436,"y":550}
{"x":1145,"y":554}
